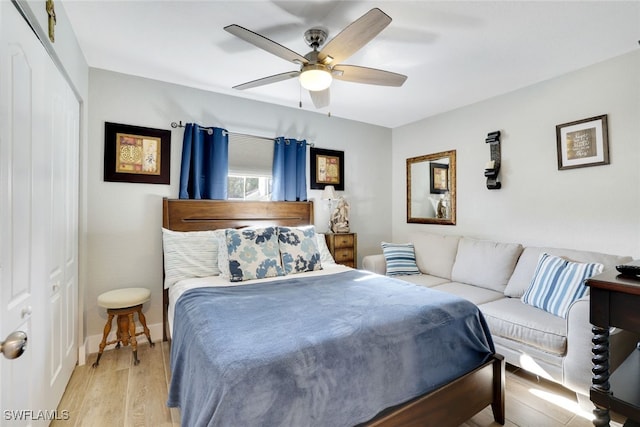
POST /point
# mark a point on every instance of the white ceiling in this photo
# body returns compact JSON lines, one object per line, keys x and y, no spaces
{"x":454,"y":52}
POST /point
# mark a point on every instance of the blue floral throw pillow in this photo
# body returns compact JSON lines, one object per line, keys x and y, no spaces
{"x":253,"y":253}
{"x":299,"y":249}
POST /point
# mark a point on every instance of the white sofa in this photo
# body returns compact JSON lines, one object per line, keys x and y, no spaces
{"x":494,"y":276}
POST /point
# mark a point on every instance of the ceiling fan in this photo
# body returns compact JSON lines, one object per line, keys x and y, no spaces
{"x":319,"y":67}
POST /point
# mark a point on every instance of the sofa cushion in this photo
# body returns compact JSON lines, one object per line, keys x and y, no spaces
{"x":374,"y":263}
{"x":425,"y":280}
{"x":557,"y":283}
{"x":435,"y":253}
{"x":513,"y":319}
{"x":485,"y":263}
{"x":400,"y":258}
{"x":526,"y":266}
{"x":475,"y":294}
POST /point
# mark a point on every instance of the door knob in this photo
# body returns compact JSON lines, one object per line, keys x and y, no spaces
{"x":14,"y":345}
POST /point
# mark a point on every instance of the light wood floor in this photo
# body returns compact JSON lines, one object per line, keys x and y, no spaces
{"x":117,"y":393}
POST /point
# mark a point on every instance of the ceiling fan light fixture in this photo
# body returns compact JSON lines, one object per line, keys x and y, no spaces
{"x":315,"y":77}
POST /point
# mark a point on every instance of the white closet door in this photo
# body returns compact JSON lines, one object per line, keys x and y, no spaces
{"x":20,"y":89}
{"x":38,"y":223}
{"x":61,"y":195}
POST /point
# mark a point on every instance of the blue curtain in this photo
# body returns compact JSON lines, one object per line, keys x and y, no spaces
{"x":289,"y":170}
{"x":205,"y":163}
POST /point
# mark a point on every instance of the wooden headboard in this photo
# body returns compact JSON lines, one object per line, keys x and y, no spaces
{"x":199,"y":215}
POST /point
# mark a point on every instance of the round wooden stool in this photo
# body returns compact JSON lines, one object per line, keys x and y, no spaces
{"x":123,"y":303}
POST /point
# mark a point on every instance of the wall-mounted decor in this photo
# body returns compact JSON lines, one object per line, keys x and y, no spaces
{"x":583,"y":143}
{"x":326,"y":168}
{"x":439,"y":182}
{"x":136,"y":154}
{"x":51,"y":18}
{"x":431,"y":188}
{"x":492,"y":168}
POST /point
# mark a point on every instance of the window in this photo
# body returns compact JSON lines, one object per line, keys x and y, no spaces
{"x":246,"y":187}
{"x":250,"y":167}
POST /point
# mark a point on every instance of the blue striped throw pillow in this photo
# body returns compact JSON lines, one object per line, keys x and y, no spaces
{"x":401,"y":259}
{"x":557,"y":283}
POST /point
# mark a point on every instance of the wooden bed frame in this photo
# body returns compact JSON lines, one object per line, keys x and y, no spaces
{"x":450,"y":405}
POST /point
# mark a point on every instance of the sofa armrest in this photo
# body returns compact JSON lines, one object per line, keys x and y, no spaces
{"x":577,"y":364}
{"x":375,"y":263}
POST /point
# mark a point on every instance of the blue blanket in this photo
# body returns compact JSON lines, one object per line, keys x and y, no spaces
{"x":329,"y":350}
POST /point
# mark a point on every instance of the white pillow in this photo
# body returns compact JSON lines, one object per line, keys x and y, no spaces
{"x":325,"y":255}
{"x":188,"y":254}
{"x":223,"y":253}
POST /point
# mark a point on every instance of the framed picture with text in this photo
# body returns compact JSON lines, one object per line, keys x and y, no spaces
{"x":326,"y":168}
{"x":583,"y":143}
{"x":136,"y":154}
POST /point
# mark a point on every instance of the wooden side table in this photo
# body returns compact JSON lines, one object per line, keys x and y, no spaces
{"x":615,"y":301}
{"x":343,"y":248}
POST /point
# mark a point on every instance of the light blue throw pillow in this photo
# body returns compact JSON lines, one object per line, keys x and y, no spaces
{"x":557,"y":283}
{"x":400,"y":258}
{"x":253,"y":253}
{"x":299,"y":249}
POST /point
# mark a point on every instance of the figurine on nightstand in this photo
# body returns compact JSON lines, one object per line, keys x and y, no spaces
{"x":340,"y":217}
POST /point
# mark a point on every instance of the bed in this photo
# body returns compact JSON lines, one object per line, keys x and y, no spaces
{"x":336,"y":346}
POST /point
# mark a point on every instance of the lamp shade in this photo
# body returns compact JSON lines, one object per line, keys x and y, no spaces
{"x":329,"y":193}
{"x":315,"y":77}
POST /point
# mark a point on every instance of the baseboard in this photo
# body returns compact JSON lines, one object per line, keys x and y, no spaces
{"x":92,"y":342}
{"x":82,"y":353}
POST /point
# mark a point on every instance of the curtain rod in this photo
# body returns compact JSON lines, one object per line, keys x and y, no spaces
{"x":180,"y":125}
{"x":210,"y":132}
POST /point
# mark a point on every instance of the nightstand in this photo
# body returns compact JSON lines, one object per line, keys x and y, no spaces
{"x":615,"y":301}
{"x":343,"y":248}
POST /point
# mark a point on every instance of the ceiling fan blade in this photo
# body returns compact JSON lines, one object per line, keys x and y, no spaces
{"x":268,"y":80}
{"x":320,"y":98}
{"x":371,"y":76}
{"x":354,"y":36}
{"x":266,"y":44}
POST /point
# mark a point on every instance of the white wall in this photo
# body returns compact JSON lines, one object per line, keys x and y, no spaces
{"x":124,"y":220}
{"x":592,"y":208}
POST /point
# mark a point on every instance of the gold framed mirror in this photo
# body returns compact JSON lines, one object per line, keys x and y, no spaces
{"x":431,"y":188}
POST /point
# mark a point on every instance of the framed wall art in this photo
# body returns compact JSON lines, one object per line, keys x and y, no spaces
{"x":326,"y":168}
{"x":439,"y":182}
{"x":583,"y":143}
{"x":136,"y":154}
